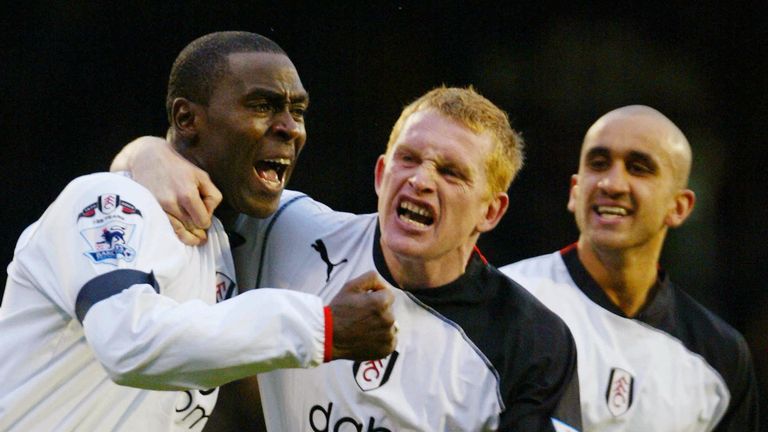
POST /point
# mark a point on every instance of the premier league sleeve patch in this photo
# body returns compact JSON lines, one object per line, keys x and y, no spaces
{"x":109,"y":227}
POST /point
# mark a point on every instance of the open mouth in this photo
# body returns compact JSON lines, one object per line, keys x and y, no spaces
{"x":610,"y":212}
{"x":272,"y":170}
{"x":415,"y":214}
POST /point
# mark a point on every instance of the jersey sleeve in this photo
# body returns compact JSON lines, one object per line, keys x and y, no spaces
{"x":742,"y":414}
{"x":103,"y":252}
{"x":548,"y":400}
{"x":100,"y":223}
{"x":150,"y":341}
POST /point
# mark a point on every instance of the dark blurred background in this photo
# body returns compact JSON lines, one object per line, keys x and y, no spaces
{"x":80,"y":79}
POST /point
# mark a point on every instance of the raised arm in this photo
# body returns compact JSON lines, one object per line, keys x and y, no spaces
{"x":185,"y":192}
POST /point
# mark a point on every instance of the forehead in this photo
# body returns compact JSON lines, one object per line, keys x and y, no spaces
{"x":627,"y":135}
{"x":271,"y":72}
{"x":431,"y":131}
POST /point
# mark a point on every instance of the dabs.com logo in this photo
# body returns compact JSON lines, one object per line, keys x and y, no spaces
{"x":369,"y":375}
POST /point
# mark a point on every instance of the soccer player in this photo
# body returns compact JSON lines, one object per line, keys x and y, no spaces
{"x":650,"y":357}
{"x":475,"y":351}
{"x":104,"y":304}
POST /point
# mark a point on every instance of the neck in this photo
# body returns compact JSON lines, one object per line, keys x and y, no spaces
{"x":419,"y":273}
{"x":226,"y":214}
{"x":625,"y":275}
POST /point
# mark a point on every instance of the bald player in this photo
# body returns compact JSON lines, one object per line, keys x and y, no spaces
{"x":650,"y":357}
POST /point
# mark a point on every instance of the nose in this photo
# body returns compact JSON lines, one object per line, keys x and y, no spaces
{"x":614,"y":181}
{"x":285,"y":126}
{"x":422,"y":179}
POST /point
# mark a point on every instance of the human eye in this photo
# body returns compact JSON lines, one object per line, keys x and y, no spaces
{"x":298,"y":111}
{"x":260,"y":106}
{"x":641,"y":165}
{"x":405,"y":158}
{"x":450,"y":172}
{"x":598,"y":163}
{"x":640,"y":168}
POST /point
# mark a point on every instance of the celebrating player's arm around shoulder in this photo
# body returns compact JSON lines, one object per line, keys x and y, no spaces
{"x":474,"y":350}
{"x":103,"y":304}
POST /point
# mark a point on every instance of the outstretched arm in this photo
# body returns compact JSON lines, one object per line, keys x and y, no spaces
{"x":103,"y":254}
{"x":185,"y":192}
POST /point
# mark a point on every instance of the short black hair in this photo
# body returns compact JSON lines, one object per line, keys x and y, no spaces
{"x":204,"y":61}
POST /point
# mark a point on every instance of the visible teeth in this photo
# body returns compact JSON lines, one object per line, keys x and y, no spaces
{"x":612,"y":210}
{"x":415,"y":214}
{"x":272,"y":170}
{"x":280,"y":161}
{"x":404,"y":218}
{"x":411,"y":207}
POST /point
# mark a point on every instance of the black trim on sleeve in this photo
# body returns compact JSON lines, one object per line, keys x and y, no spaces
{"x":109,"y":284}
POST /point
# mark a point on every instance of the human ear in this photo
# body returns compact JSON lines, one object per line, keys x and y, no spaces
{"x":381,"y":165}
{"x":496,"y":209}
{"x":184,"y":118}
{"x":684,"y":201}
{"x":573,"y":193}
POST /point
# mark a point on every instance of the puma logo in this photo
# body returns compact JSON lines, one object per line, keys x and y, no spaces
{"x":319,"y":246}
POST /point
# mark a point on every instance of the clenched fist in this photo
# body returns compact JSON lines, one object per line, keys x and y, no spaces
{"x":363,"y":323}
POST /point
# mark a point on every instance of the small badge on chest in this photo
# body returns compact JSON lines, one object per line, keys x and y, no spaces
{"x":619,"y":394}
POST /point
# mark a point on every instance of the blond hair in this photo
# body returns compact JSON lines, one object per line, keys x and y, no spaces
{"x":478,"y":114}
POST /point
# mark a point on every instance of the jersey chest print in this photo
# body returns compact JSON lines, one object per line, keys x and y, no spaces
{"x":109,"y":226}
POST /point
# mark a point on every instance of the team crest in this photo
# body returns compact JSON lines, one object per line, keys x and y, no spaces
{"x":107,"y":204}
{"x":225,"y":287}
{"x":373,"y":374}
{"x":109,"y":243}
{"x":618,"y":396}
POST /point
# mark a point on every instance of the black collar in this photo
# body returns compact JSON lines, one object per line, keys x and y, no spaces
{"x":466,"y":288}
{"x":235,"y":239}
{"x":654,"y":312}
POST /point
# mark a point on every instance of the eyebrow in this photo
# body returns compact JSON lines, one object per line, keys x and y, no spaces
{"x":646,"y":158}
{"x":597,"y":151}
{"x":266,"y":93}
{"x":600,"y":151}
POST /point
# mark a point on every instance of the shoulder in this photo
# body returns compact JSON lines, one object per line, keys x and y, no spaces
{"x":541,"y":266}
{"x":102,"y":194}
{"x":103,"y":181}
{"x":709,"y":335}
{"x":723,"y":348}
{"x":545,"y":276}
{"x":297,"y":213}
{"x":540,"y":350}
{"x":94,"y":198}
{"x":528,"y":310}
{"x":300,"y":206}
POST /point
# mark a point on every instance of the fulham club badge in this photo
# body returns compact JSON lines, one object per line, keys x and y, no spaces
{"x":618,"y":396}
{"x":373,"y":374}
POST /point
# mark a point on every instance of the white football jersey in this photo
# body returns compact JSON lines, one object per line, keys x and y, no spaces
{"x":101,"y":292}
{"x":477,"y":354}
{"x":675,"y":367}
